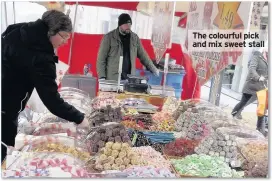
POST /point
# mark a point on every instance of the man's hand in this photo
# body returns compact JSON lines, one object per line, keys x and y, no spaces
{"x":84,"y":124}
{"x":261,"y":79}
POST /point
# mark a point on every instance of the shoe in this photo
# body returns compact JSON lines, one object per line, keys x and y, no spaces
{"x":236,"y":119}
{"x":239,"y":116}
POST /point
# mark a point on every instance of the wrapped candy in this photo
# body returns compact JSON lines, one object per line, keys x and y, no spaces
{"x":133,"y":102}
{"x":167,"y":125}
{"x":62,"y":149}
{"x":198,"y":106}
{"x":115,"y":153}
{"x":118,"y":161}
{"x":170,"y":105}
{"x":101,"y":102}
{"x":149,"y":156}
{"x":116,"y":146}
{"x":131,"y":124}
{"x":122,"y":154}
{"x":218,"y":144}
{"x":22,"y":140}
{"x":54,"y":128}
{"x":139,"y":121}
{"x":148,"y":172}
{"x":120,"y":158}
{"x":103,"y":115}
{"x":25,"y":173}
{"x":43,"y":161}
{"x":204,"y":166}
{"x":109,"y":144}
{"x":130,"y":111}
{"x":255,"y":157}
{"x":156,"y":141}
{"x":181,"y":147}
{"x":48,"y":118}
{"x":241,"y":132}
{"x":101,"y":136}
{"x":193,"y":124}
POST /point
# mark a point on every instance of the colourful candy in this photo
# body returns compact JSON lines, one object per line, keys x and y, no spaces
{"x":151,"y":157}
{"x":204,"y":166}
{"x":148,"y":172}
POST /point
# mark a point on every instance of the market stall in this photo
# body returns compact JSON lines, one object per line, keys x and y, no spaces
{"x":136,"y":130}
{"x":126,"y":139}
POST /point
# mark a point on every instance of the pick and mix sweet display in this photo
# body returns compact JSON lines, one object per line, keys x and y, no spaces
{"x":181,"y":139}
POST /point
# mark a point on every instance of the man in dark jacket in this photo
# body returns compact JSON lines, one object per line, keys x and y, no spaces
{"x":122,"y":42}
{"x":28,"y":62}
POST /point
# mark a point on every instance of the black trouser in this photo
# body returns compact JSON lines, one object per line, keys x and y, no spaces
{"x":241,"y":104}
{"x":261,"y":125}
{"x":9,"y":132}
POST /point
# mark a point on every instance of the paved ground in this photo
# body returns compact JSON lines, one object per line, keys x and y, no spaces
{"x":228,"y":100}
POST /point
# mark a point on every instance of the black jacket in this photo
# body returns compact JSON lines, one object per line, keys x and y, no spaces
{"x":28,"y":61}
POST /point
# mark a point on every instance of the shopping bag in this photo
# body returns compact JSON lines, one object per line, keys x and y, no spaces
{"x":262,"y":102}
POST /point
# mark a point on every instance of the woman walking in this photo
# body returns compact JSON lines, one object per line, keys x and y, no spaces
{"x":256,"y":81}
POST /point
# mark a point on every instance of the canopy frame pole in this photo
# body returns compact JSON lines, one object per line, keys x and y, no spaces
{"x":172,"y":26}
{"x":73,"y":33}
{"x":6,"y":14}
{"x":14,"y":14}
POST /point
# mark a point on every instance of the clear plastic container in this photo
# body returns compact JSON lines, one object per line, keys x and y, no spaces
{"x":240,"y":132}
{"x":210,"y":111}
{"x":64,"y":90}
{"x":30,"y":142}
{"x":58,"y":143}
{"x":41,"y":129}
{"x":47,"y":160}
{"x":77,"y":98}
{"x":102,"y":102}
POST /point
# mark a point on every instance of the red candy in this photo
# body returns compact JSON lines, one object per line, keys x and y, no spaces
{"x":181,"y":147}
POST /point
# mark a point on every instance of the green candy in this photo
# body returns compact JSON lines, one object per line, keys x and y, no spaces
{"x":204,"y":166}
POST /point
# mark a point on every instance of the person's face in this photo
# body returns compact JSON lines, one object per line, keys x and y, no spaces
{"x":60,"y":39}
{"x":126,"y":28}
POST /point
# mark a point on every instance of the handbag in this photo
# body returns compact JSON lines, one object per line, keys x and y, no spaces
{"x":262,"y":102}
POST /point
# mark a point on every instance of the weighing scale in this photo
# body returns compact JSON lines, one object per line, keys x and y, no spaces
{"x":136,"y":84}
{"x":158,"y":90}
{"x":111,"y":86}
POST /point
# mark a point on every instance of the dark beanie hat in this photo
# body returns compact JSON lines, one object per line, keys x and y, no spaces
{"x":124,"y":19}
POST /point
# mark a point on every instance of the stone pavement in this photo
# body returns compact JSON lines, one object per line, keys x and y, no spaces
{"x":228,"y":102}
{"x":249,"y":118}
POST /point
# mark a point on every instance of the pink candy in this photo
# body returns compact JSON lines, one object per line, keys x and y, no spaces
{"x":64,"y":162}
{"x":37,"y":163}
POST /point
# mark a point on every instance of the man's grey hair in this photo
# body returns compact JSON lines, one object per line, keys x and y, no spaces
{"x":56,"y":22}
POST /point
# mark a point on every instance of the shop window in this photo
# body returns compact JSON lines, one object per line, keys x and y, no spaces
{"x":228,"y":76}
